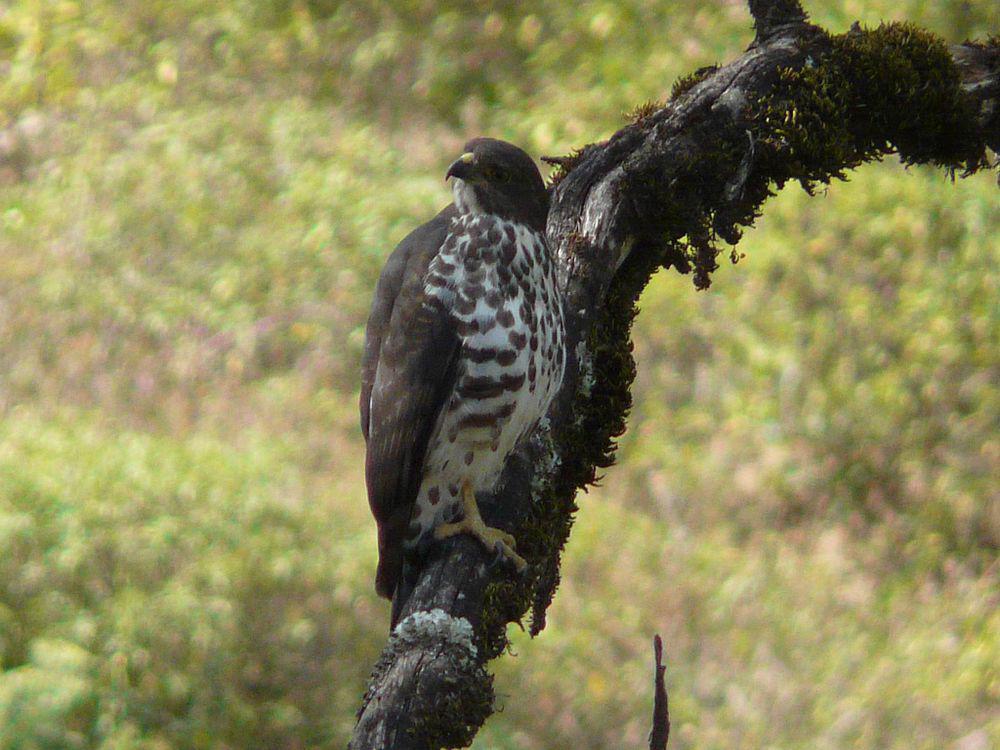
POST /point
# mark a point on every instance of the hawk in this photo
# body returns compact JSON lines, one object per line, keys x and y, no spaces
{"x":464,"y":350}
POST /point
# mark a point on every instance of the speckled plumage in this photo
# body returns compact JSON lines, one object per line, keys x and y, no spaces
{"x":465,"y":350}
{"x":496,"y":279}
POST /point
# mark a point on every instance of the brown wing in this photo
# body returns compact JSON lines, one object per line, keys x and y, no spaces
{"x":411,"y":351}
{"x":410,"y":259}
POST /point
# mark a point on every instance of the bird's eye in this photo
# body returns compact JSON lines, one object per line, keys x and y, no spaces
{"x":496,"y":174}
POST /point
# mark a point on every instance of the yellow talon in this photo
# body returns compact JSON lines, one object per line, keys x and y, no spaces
{"x":472,"y":523}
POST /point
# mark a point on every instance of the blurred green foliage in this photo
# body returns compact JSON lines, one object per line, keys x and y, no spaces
{"x":195,"y":200}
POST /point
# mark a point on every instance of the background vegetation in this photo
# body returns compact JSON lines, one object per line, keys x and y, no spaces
{"x":195,"y":200}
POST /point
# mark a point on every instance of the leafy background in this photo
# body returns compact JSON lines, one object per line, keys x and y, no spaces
{"x":195,"y":200}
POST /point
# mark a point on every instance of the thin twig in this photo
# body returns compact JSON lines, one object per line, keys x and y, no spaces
{"x":661,"y":711}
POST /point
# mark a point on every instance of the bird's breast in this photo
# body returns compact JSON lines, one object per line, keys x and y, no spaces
{"x":496,"y":279}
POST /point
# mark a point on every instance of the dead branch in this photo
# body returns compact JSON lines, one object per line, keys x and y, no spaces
{"x":668,"y":190}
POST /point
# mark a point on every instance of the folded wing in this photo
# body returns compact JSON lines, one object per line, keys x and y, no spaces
{"x":408,"y":374}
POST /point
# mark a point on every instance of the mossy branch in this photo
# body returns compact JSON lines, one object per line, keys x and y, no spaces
{"x":668,"y":190}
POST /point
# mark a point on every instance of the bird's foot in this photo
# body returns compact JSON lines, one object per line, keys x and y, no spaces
{"x":472,"y":523}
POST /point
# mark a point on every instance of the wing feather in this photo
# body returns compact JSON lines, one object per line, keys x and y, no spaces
{"x":409,"y":371}
{"x":410,"y":258}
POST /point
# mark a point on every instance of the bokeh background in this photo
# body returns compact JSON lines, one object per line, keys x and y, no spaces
{"x":195,"y":201}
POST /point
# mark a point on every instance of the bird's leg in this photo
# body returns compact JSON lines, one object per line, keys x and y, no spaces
{"x":472,"y":523}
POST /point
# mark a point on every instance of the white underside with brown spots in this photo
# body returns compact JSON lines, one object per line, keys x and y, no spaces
{"x":495,"y":278}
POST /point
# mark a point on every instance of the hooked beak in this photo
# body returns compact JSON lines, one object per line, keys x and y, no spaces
{"x":461,"y":168}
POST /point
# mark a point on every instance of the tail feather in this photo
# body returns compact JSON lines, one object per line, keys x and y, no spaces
{"x":394,"y":578}
{"x":390,"y":565}
{"x":391,"y":535}
{"x":405,"y":584}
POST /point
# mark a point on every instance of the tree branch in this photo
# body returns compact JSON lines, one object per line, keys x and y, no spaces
{"x":661,"y":713}
{"x":770,"y":16}
{"x":663,"y":191}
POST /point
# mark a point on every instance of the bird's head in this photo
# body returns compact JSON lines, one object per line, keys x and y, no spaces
{"x":496,"y":177}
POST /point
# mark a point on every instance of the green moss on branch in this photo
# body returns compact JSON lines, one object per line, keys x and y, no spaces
{"x":890,"y":89}
{"x":867,"y":94}
{"x":685,"y":83}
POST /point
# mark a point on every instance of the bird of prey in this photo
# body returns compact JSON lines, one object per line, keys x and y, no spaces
{"x":464,"y":350}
